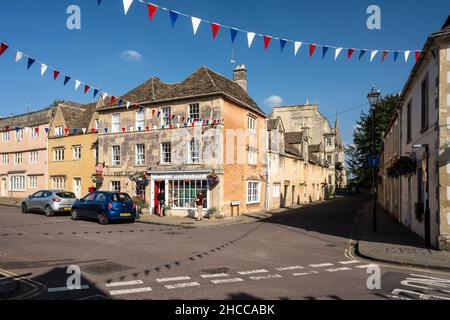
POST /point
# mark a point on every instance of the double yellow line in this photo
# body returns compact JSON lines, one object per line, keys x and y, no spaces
{"x":37,"y":288}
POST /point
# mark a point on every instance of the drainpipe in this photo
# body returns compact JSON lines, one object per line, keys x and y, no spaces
{"x":267,"y":167}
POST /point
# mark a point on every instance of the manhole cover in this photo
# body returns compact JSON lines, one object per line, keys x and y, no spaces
{"x":105,"y":268}
{"x":216,"y":270}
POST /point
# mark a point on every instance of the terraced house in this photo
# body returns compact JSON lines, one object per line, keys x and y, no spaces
{"x":23,"y":153}
{"x":72,"y":148}
{"x":202,"y":134}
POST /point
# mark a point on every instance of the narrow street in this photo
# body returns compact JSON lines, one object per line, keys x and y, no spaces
{"x":298,"y":255}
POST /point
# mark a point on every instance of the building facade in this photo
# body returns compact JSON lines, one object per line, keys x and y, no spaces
{"x":23,"y":153}
{"x":325,"y":141}
{"x":202,"y":134}
{"x":295,"y":175}
{"x":422,"y":122}
{"x":73,"y":148}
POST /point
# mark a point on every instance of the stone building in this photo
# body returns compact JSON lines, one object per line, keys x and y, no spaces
{"x":325,"y":141}
{"x":23,"y":153}
{"x":73,"y":148}
{"x":296,"y":176}
{"x":422,"y":121}
{"x":202,"y":134}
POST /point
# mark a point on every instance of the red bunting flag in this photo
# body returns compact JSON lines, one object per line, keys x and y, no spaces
{"x":385,"y":53}
{"x":312,"y":47}
{"x":153,"y":113}
{"x":170,"y":126}
{"x":123,"y":130}
{"x":417,"y":55}
{"x":66,"y":130}
{"x":93,"y":130}
{"x":267,"y":41}
{"x":3,"y":48}
{"x":147,"y":128}
{"x":350,"y":52}
{"x":36,"y":129}
{"x":151,"y":10}
{"x":215,"y":29}
{"x":111,"y":101}
{"x":55,"y":74}
{"x":86,"y":88}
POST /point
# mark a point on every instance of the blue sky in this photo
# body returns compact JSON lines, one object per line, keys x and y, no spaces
{"x":94,"y":53}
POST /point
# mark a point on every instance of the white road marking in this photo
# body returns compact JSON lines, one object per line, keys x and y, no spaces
{"x":366,"y":266}
{"x":337,"y":269}
{"x":60,"y":289}
{"x":219,"y":281}
{"x":182,"y":285}
{"x":289,"y":268}
{"x":126,"y":283}
{"x":217,"y":275}
{"x":252,"y":271}
{"x":270,"y":276}
{"x":173,"y":279}
{"x":321,"y":265}
{"x":304,"y":273}
{"x":128,"y":291}
{"x":349,"y":262}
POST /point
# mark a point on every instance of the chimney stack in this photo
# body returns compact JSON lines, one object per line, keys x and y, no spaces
{"x":240,"y":76}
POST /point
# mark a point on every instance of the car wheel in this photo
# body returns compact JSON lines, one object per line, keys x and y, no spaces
{"x":75,"y":215}
{"x":49,"y":211}
{"x":24,"y":208}
{"x":132,"y":221}
{"x":103,"y":219}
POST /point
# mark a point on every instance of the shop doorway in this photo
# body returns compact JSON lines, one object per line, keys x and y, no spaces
{"x":159,"y":185}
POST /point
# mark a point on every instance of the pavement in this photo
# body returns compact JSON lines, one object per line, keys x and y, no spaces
{"x":297,"y":255}
{"x":12,"y":202}
{"x":394,"y":243}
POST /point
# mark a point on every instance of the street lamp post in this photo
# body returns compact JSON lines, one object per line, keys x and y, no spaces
{"x":427,"y":190}
{"x":374,"y":99}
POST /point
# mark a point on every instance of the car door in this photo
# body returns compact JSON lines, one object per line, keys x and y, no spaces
{"x":85,"y":205}
{"x":45,"y":199}
{"x":97,"y":207}
{"x":34,"y":199}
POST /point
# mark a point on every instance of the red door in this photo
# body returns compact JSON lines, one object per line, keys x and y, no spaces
{"x":156,"y":203}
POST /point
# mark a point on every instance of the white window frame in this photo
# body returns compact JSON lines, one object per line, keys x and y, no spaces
{"x":276,"y":190}
{"x":251,"y":124}
{"x":194,"y":151}
{"x":19,"y":135}
{"x":164,"y":152}
{"x":18,"y":158}
{"x":34,"y":156}
{"x":59,"y":131}
{"x":5,"y":158}
{"x":34,"y":133}
{"x":166,"y":117}
{"x":140,"y":154}
{"x":6,"y":136}
{"x":59,"y":183}
{"x":115,"y":123}
{"x":114,"y":185}
{"x":33,"y":182}
{"x":329,"y":142}
{"x":116,"y":156}
{"x":252,"y":157}
{"x":58,"y":154}
{"x":253,"y":192}
{"x":194,"y":115}
{"x":140,"y":119}
{"x":77,"y":152}
{"x":17,"y":183}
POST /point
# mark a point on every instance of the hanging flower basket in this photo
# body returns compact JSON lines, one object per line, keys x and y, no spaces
{"x":213,"y":179}
{"x":140,"y":178}
{"x":97,"y":179}
{"x":403,"y":166}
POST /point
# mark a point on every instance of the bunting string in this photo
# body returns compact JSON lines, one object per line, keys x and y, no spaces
{"x":56,"y":73}
{"x":267,"y":39}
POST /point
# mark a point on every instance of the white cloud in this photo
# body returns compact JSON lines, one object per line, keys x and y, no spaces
{"x":273,"y":101}
{"x":131,"y":55}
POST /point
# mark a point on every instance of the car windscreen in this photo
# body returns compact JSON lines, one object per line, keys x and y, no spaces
{"x":120,"y":197}
{"x":66,"y":195}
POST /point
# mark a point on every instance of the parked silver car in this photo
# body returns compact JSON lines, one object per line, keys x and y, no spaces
{"x":49,"y":202}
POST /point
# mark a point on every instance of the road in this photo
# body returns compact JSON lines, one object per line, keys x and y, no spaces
{"x":298,"y":255}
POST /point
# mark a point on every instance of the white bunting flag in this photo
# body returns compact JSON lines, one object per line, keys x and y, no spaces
{"x":250,"y":37}
{"x":373,"y":54}
{"x":131,"y":129}
{"x":128,"y":104}
{"x":407,"y":55}
{"x":77,"y":84}
{"x":104,"y":96}
{"x":195,"y":24}
{"x":84,"y":130}
{"x":19,"y":56}
{"x":178,"y":126}
{"x":297,"y":46}
{"x":337,"y":53}
{"x":154,"y":128}
{"x":27,"y":129}
{"x":43,"y":69}
{"x":127,"y":5}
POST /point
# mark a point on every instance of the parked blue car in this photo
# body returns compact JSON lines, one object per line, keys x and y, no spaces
{"x":105,"y":207}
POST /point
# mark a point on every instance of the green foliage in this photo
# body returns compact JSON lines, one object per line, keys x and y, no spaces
{"x":140,"y":202}
{"x":357,"y":154}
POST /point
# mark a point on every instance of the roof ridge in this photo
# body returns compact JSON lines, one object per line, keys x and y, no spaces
{"x":212,"y":80}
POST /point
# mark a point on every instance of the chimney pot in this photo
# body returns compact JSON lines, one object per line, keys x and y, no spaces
{"x":240,"y":76}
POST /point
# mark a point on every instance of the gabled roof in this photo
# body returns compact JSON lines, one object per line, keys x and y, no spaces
{"x":314,"y":148}
{"x":202,"y":82}
{"x":294,"y":137}
{"x":28,"y":119}
{"x":77,"y":117}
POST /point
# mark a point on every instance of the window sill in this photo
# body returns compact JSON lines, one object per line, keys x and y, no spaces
{"x":251,"y":203}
